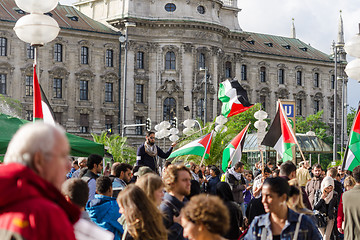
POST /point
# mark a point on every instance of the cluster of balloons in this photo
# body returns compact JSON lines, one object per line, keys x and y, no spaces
{"x":163,"y":131}
{"x":220,"y":127}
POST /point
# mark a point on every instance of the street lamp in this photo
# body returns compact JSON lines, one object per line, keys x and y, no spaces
{"x":122,"y":39}
{"x":205,"y":92}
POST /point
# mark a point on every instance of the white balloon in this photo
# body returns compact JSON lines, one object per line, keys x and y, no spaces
{"x":167,"y":124}
{"x":166,"y":132}
{"x":220,"y":128}
{"x":221,"y":120}
{"x":158,"y":135}
{"x":174,"y":138}
{"x":261,"y":115}
{"x":188,"y":131}
{"x":261,"y":125}
{"x":157,"y":127}
{"x":189,"y":123}
{"x":174,"y":131}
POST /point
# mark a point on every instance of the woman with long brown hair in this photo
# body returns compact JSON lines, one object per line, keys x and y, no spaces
{"x":153,"y":187}
{"x":143,"y":219}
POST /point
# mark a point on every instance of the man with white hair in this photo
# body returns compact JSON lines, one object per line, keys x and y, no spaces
{"x":31,"y":204}
{"x":82,"y":164}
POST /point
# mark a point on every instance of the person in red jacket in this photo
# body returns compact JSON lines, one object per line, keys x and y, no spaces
{"x":349,"y":184}
{"x":31,"y":204}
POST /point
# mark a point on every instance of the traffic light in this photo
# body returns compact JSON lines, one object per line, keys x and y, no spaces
{"x":174,"y":123}
{"x":148,"y":124}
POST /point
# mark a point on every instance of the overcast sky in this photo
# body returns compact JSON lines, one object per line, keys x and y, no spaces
{"x":316,"y":23}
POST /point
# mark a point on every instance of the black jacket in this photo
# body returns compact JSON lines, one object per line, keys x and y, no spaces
{"x":143,"y":159}
{"x":329,"y":209}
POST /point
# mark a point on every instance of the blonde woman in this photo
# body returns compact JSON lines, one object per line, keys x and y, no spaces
{"x":295,"y":200}
{"x":153,"y":187}
{"x":349,"y":184}
{"x":143,"y":219}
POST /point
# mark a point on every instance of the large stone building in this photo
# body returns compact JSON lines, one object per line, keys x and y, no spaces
{"x":169,"y":44}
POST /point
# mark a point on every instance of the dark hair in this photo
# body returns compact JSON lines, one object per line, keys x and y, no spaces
{"x":239,"y":165}
{"x":294,"y":191}
{"x":223,"y":190}
{"x":122,"y":167}
{"x":167,"y":163}
{"x":287,"y":168}
{"x":356,"y":174}
{"x":317,"y":166}
{"x":267,"y":170}
{"x":77,"y":190}
{"x":103,"y":184}
{"x":278,"y":185}
{"x":277,"y":171}
{"x":216,"y":170}
{"x":75,"y":162}
{"x":149,"y":133}
{"x":93,"y":159}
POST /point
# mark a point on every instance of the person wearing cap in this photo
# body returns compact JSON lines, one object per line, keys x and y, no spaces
{"x":148,"y":151}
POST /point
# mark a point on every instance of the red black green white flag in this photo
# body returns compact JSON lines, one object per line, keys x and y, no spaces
{"x":234,"y":98}
{"x":352,"y":153}
{"x":280,"y":135}
{"x":41,"y":109}
{"x":233,"y":151}
{"x":197,"y":147}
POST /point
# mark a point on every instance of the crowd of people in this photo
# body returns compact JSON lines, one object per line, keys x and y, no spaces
{"x":179,"y":201}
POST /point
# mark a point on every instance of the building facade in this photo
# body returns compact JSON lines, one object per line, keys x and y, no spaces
{"x":169,"y":44}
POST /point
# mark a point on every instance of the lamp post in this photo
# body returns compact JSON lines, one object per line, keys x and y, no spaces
{"x":205,"y":93}
{"x":36,"y":28}
{"x":335,"y":99}
{"x":127,"y":25}
{"x":122,"y":39}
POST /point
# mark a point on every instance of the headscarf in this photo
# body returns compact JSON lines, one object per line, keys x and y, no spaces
{"x":326,"y":182}
{"x":223,"y":190}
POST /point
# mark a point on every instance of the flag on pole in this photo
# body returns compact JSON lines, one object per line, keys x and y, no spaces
{"x":280,"y":135}
{"x":41,"y":110}
{"x":197,"y":147}
{"x":234,"y":98}
{"x":234,"y":150}
{"x":352,"y":153}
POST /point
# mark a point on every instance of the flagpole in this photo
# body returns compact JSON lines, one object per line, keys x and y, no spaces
{"x":262,"y":163}
{"x":232,"y":157}
{"x":207,"y":145}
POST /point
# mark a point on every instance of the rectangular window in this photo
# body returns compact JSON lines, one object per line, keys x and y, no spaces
{"x":3,"y":84}
{"x":139,"y":93}
{"x":228,"y":70}
{"x":108,"y":92}
{"x":332,"y":81}
{"x":299,"y":78}
{"x":57,"y":87}
{"x":29,"y":86}
{"x":262,"y":74}
{"x":3,"y":46}
{"x":108,"y":123}
{"x":332,"y":109}
{"x":170,"y":61}
{"x":58,"y":116}
{"x":201,"y":60}
{"x":84,"y":123}
{"x":140,"y":60}
{"x":29,"y":51}
{"x":84,"y":90}
{"x":109,"y":58}
{"x":243,"y":72}
{"x":58,"y":52}
{"x":299,"y":107}
{"x":316,"y":80}
{"x":139,"y":129}
{"x":263,"y":102}
{"x":84,"y":55}
{"x":316,"y":106}
{"x":29,"y":115}
{"x":281,"y":77}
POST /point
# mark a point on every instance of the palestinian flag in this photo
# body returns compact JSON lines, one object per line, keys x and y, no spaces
{"x":41,"y":109}
{"x":280,"y":135}
{"x":233,"y":97}
{"x":197,"y":147}
{"x":352,"y":153}
{"x":234,"y":150}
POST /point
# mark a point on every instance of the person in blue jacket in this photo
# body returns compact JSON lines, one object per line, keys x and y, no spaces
{"x":103,"y":209}
{"x":280,"y":222}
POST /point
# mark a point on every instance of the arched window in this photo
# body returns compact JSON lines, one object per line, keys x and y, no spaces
{"x":170,"y":61}
{"x":262,"y":74}
{"x":200,"y":109}
{"x":201,"y":60}
{"x":169,"y":109}
{"x":228,"y":69}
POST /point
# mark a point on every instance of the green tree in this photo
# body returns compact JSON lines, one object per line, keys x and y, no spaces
{"x":350,"y":119}
{"x":117,"y":147}
{"x":10,"y":106}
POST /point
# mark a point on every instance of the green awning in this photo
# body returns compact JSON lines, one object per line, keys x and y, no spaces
{"x":80,"y":147}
